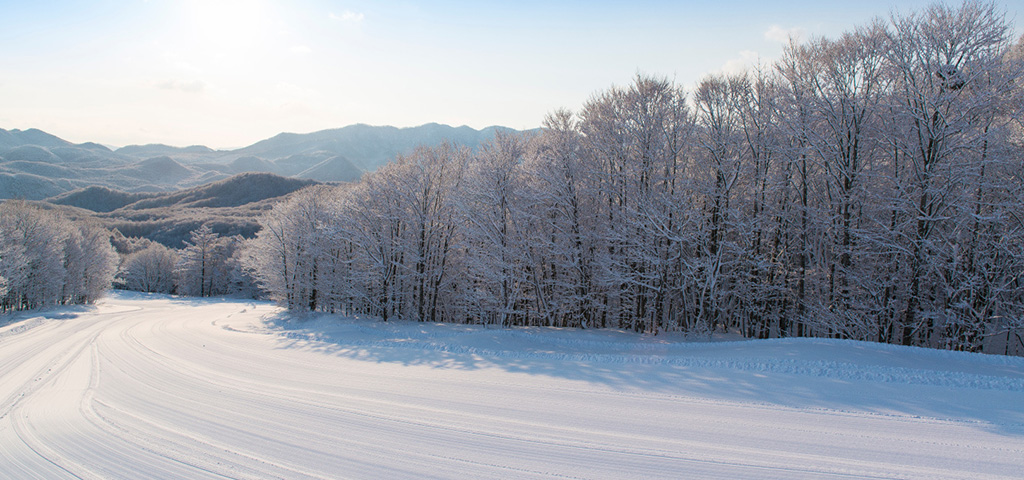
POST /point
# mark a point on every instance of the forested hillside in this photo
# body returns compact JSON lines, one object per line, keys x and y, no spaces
{"x":229,"y":207}
{"x":867,"y":187}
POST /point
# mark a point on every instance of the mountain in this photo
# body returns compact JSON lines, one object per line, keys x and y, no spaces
{"x":98,"y":199}
{"x":31,"y":153}
{"x":236,"y":191}
{"x":334,"y":169}
{"x":230,"y":206}
{"x":15,"y":138}
{"x":30,"y":187}
{"x":299,"y":162}
{"x":366,"y":146}
{"x":36,"y":165}
{"x":251,"y":164}
{"x":156,"y":149}
{"x":159,"y":170}
{"x":162,"y":192}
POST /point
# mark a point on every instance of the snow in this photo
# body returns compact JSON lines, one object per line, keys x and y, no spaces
{"x":151,"y":386}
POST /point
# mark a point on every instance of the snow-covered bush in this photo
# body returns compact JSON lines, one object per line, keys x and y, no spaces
{"x":149,"y":270}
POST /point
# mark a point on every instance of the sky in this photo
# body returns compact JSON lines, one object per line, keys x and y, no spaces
{"x":228,"y":73}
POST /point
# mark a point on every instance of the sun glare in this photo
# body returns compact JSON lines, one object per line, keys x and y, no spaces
{"x":227,"y":27}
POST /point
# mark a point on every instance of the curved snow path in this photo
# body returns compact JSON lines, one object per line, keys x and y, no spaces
{"x":165,"y":388}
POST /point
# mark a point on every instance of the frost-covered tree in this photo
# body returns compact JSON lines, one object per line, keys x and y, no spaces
{"x":47,"y":260}
{"x":633,"y":145}
{"x":497,"y":254}
{"x":948,"y":83}
{"x":202,"y":269}
{"x":380,"y":232}
{"x":721,"y":166}
{"x":40,"y":236}
{"x":839,"y":87}
{"x":149,"y":270}
{"x":432,"y":179}
{"x":562,"y":213}
{"x":287,"y":255}
{"x":404,"y":230}
{"x":13,"y":264}
{"x":90,"y":263}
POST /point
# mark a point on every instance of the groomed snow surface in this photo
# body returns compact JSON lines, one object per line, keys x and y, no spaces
{"x":158,"y":387}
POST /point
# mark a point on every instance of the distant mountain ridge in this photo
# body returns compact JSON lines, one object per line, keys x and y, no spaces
{"x":235,"y":191}
{"x":230,"y":206}
{"x":366,"y":146}
{"x":98,"y":199}
{"x":35,"y":164}
{"x":161,"y":149}
{"x":16,"y":138}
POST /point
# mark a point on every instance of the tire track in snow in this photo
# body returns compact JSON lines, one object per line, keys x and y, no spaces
{"x":20,"y":418}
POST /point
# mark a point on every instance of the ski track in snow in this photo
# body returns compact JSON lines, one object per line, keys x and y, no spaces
{"x":149,"y":386}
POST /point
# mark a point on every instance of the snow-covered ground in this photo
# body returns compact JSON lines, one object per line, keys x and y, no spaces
{"x":159,"y":387}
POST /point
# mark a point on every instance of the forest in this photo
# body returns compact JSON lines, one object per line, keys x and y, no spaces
{"x":869,"y":187}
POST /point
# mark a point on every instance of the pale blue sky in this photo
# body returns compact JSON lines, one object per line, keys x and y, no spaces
{"x":227,"y":73}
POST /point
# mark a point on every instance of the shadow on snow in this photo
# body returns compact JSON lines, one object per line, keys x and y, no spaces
{"x":799,"y":373}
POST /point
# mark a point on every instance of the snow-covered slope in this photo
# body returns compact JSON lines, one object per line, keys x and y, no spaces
{"x":159,"y":387}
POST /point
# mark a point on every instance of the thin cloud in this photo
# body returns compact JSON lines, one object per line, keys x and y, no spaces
{"x":776,"y":33}
{"x":348,"y":16}
{"x":747,"y":59}
{"x":301,"y":49}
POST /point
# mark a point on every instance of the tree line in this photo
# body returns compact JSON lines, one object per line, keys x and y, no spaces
{"x":47,"y":260}
{"x":207,"y":265}
{"x":869,"y":187}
